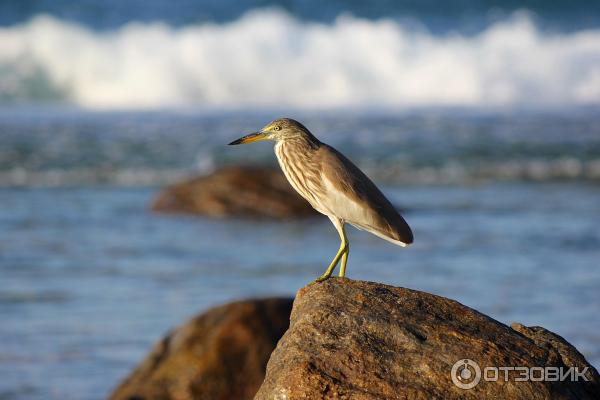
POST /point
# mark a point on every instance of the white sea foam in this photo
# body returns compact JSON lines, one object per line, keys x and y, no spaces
{"x":269,"y":58}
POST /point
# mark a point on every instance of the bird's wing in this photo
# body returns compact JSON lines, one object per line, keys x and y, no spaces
{"x":353,"y":197}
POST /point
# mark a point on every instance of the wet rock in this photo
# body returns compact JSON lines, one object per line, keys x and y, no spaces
{"x":360,"y":340}
{"x":220,"y":354}
{"x":241,"y":191}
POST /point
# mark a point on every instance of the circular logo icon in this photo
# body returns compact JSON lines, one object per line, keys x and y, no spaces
{"x":466,"y":374}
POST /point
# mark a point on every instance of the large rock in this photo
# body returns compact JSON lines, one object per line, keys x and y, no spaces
{"x":218,"y":355}
{"x":242,"y":191}
{"x":360,"y":340}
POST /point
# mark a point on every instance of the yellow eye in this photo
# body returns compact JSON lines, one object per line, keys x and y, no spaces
{"x":277,"y":128}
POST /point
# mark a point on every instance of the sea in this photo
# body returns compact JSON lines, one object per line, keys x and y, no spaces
{"x":480,"y":120}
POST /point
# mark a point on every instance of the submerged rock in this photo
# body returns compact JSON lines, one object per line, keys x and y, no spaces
{"x":241,"y":191}
{"x":360,"y":340}
{"x":220,"y":354}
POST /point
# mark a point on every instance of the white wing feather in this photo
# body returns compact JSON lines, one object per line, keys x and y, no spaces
{"x":337,"y":204}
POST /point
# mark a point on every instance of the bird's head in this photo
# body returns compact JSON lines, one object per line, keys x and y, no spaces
{"x":278,"y":130}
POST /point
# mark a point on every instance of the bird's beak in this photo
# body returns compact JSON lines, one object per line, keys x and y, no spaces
{"x":253,"y":137}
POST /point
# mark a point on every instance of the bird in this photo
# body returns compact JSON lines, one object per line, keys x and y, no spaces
{"x":333,"y":186}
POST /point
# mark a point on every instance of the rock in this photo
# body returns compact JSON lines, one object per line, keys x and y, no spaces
{"x":360,"y":340}
{"x":220,"y":354}
{"x":235,"y":191}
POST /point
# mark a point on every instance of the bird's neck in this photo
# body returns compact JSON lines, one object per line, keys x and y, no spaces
{"x":304,"y":143}
{"x":298,"y":149}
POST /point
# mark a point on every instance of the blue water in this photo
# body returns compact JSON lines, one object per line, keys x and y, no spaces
{"x":91,"y":278}
{"x":65,"y":147}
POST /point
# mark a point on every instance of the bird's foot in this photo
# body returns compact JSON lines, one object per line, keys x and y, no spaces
{"x":320,"y":279}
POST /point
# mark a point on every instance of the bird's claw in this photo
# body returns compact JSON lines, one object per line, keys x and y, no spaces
{"x":319,"y":280}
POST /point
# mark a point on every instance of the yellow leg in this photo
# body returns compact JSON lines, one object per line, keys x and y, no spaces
{"x":344,"y":261}
{"x":333,"y":263}
{"x":342,"y":253}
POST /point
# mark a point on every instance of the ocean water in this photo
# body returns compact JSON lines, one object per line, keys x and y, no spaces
{"x":485,"y":56}
{"x":480,"y":119}
{"x":504,"y":208}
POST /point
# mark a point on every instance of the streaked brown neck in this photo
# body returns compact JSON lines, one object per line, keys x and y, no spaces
{"x":303,"y":141}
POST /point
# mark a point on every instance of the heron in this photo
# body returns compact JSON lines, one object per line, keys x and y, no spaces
{"x":333,"y":186}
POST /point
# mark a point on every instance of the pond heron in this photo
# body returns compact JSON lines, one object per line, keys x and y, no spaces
{"x":333,"y":185}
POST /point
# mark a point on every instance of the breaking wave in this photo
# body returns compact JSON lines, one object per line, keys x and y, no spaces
{"x":269,"y":58}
